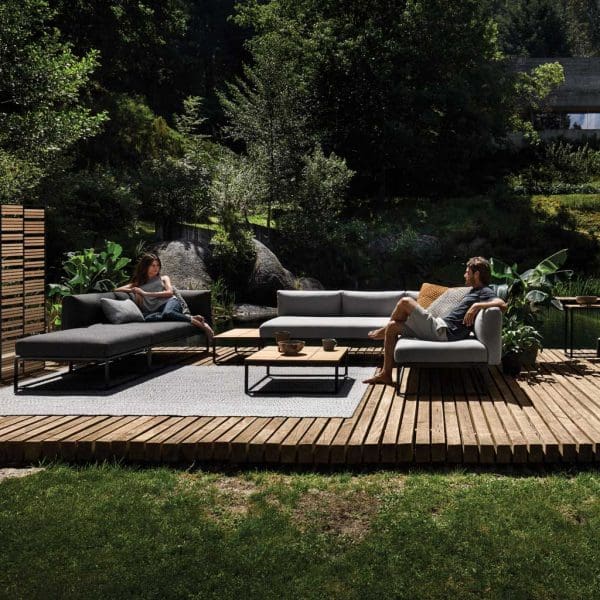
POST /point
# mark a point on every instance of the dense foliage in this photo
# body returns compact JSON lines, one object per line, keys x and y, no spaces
{"x":321,"y":117}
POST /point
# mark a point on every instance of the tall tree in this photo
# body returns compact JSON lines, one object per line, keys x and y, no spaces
{"x":41,"y":80}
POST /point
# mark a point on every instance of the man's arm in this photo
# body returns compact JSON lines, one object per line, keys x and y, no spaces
{"x":477,"y":306}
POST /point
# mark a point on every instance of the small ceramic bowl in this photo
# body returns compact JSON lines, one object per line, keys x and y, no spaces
{"x":586,"y":299}
{"x":291,"y":346}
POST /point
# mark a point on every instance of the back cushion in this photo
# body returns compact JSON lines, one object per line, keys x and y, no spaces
{"x":369,"y":304}
{"x":306,"y":304}
{"x":430,"y":292}
{"x":448,"y":301}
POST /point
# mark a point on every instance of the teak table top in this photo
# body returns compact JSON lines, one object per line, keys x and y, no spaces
{"x":309,"y":355}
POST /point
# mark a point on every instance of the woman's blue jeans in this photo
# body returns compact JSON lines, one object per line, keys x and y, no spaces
{"x":170,"y":311}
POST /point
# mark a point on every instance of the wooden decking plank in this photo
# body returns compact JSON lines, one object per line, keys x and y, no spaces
{"x":256,"y":449}
{"x":84,"y":446}
{"x":154,"y":446}
{"x":273,"y":444}
{"x":12,"y":448}
{"x":114,"y":442}
{"x":518,"y":406}
{"x":204,"y":446}
{"x":516,"y":439}
{"x":171,"y":447}
{"x":21,"y":423}
{"x":306,"y":445}
{"x":438,"y":427}
{"x":289,"y":446}
{"x":566,"y":443}
{"x":135,"y":445}
{"x":322,"y":445}
{"x":339,"y":444}
{"x":10,"y":421}
{"x":502,"y":443}
{"x":485,"y":439}
{"x":355,"y":444}
{"x":470,"y":448}
{"x":33,"y":449}
{"x":574,"y":407}
{"x":442,"y":387}
{"x":52,"y":445}
{"x":392,"y":427}
{"x":239,"y":445}
{"x":423,"y":424}
{"x":406,"y":435}
{"x":188,"y":445}
{"x":372,"y":443}
{"x":222,"y":445}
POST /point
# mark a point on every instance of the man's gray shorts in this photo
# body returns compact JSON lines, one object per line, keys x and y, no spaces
{"x":423,"y":326}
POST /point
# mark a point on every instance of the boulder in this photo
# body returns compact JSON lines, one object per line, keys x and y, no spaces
{"x":309,"y":283}
{"x":245,"y":313}
{"x":184,"y":263}
{"x":268,"y":276}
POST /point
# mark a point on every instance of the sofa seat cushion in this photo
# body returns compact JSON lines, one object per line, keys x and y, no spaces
{"x":94,"y":342}
{"x":320,"y":327}
{"x":162,"y":332}
{"x":410,"y":350}
{"x":308,"y":303}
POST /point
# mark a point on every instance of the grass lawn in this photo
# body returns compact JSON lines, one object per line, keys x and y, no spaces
{"x":113,"y":532}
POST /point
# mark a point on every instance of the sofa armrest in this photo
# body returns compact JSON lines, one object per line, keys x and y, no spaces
{"x":199,"y":302}
{"x":488,"y":330}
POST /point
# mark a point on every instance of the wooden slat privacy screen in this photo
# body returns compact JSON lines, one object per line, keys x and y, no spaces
{"x":22,"y":280}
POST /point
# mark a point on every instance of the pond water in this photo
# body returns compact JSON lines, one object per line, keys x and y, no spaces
{"x":586,"y":329}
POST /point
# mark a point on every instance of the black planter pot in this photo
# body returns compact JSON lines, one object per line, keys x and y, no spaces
{"x":511,"y":364}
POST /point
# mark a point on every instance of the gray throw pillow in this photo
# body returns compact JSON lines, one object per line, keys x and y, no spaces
{"x":121,"y":311}
{"x":447,"y":302}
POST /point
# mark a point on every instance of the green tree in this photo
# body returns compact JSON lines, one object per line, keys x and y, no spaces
{"x":41,"y":81}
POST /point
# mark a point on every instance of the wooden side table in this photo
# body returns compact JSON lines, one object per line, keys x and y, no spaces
{"x":570,"y":311}
{"x":237,"y":337}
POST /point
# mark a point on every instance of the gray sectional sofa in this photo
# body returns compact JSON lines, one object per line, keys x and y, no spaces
{"x":350,"y":315}
{"x":87,"y":336}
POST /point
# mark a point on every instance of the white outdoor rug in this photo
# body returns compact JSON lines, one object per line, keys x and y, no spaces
{"x":197,"y":391}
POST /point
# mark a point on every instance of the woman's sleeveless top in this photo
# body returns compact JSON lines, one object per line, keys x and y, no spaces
{"x":152,"y":304}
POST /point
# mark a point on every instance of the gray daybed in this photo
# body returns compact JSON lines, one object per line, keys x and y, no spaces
{"x":350,"y":315}
{"x":87,"y":336}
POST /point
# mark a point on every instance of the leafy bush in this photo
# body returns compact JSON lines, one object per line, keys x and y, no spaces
{"x":223,"y":304}
{"x":233,"y":257}
{"x":88,"y":271}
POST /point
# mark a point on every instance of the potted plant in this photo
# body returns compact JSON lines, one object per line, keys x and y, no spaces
{"x":520,"y":345}
{"x":526,"y":294}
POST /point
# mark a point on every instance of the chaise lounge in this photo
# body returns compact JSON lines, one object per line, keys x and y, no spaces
{"x":87,"y":336}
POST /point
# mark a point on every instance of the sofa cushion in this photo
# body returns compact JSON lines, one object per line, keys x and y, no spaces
{"x":121,"y":311}
{"x":320,"y":327}
{"x":410,"y":350}
{"x":309,"y":303}
{"x":430,"y":292}
{"x":95,"y":342}
{"x":369,"y":304}
{"x":448,"y":301}
{"x":162,"y":332}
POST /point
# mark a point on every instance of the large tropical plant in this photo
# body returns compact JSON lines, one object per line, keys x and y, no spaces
{"x":528,"y":292}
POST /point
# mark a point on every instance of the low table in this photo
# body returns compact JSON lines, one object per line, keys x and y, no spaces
{"x":570,"y":311}
{"x":237,"y":337}
{"x":310,"y":356}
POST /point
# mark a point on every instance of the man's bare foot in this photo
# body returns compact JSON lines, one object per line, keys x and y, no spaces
{"x":380,"y":378}
{"x":198,"y":317}
{"x":208,"y":331}
{"x":377,"y":334}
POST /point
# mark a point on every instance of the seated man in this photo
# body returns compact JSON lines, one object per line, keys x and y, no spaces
{"x":411,"y":320}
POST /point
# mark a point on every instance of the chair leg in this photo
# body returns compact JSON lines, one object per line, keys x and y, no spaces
{"x":148,"y":357}
{"x":106,"y":374}
{"x":16,"y":375}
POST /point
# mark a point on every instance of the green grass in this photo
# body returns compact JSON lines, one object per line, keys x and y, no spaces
{"x":111,"y":532}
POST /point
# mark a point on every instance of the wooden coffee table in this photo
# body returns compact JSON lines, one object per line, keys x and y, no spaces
{"x":310,"y":356}
{"x":237,"y":337}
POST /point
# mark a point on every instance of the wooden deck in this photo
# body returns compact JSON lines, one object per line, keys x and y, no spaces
{"x":442,"y":416}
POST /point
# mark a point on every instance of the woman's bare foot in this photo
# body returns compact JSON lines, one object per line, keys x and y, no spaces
{"x":377,"y":334}
{"x":202,"y":324}
{"x":380,"y":378}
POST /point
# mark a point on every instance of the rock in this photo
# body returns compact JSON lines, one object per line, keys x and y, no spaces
{"x":184,"y":263}
{"x":244,"y":313}
{"x":309,"y":283}
{"x":267,"y":277}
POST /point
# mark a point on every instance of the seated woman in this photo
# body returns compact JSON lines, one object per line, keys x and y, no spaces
{"x":155,"y":297}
